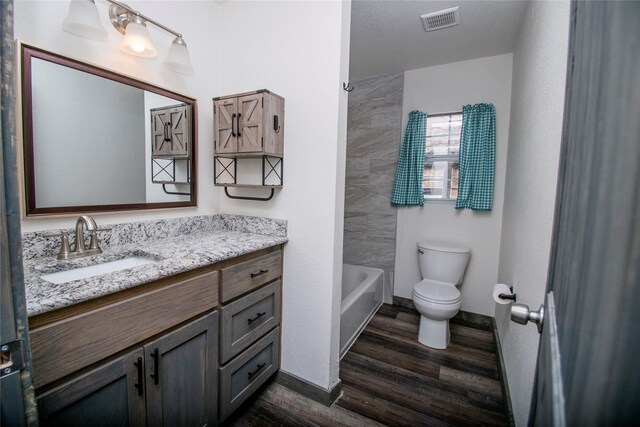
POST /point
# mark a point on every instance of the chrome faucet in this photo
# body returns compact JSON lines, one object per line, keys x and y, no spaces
{"x":83,"y":222}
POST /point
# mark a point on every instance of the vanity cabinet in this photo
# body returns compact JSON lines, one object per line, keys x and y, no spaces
{"x":185,"y":350}
{"x":103,"y":396}
{"x":249,"y":123}
{"x":75,"y":337}
{"x":178,"y":368}
{"x":251,"y":296}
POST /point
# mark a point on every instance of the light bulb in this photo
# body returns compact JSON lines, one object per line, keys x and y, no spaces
{"x":136,"y":39}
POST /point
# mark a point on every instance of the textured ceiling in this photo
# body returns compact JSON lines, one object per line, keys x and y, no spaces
{"x":387,"y":36}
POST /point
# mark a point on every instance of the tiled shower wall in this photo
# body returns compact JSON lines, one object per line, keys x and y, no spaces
{"x":374,"y":128}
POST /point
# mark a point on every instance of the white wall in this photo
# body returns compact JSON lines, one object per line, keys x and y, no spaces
{"x":440,"y":89}
{"x":539,"y":67}
{"x":40,"y":23}
{"x":299,"y":50}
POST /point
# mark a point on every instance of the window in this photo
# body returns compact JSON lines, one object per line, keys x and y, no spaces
{"x":440,"y":180}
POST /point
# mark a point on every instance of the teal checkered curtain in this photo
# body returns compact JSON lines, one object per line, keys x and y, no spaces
{"x":407,"y":188}
{"x":477,"y":157}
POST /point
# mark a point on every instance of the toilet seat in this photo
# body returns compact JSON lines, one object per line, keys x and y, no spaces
{"x":437,"y":292}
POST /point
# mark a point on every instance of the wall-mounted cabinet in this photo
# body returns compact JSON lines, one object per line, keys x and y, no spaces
{"x":249,"y":124}
{"x":170,"y":131}
{"x":170,"y":147}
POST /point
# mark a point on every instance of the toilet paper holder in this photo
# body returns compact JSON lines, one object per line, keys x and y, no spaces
{"x":510,"y":296}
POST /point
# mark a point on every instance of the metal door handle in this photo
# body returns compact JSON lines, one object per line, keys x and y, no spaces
{"x":238,"y":124}
{"x":166,"y":132}
{"x":233,"y":120}
{"x":156,"y":366}
{"x":139,"y":384}
{"x":520,"y":313}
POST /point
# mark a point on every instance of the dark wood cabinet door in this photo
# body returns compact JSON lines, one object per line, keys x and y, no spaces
{"x":110,"y":395}
{"x":181,"y":375}
{"x":250,"y":130}
{"x":170,"y":130}
{"x":224,"y":128}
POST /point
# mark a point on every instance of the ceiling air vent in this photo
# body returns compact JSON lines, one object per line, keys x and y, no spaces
{"x":441,"y":19}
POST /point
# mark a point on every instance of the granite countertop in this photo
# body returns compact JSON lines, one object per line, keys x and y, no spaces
{"x":173,"y":255}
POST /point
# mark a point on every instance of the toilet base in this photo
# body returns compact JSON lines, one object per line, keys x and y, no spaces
{"x":434,"y":333}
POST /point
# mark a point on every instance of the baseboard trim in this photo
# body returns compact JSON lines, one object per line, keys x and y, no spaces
{"x":403,"y":302}
{"x":307,"y":389}
{"x":503,"y":374}
{"x":480,"y":321}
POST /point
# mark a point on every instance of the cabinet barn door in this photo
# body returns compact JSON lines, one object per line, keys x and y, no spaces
{"x":110,"y":395}
{"x":224,"y":123}
{"x":170,"y":131}
{"x":181,"y":375}
{"x":250,"y":129}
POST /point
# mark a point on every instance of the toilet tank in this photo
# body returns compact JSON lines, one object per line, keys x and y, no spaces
{"x":442,"y":262}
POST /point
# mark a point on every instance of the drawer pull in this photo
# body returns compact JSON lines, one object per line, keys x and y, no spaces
{"x":260,"y":273}
{"x":138,"y":385}
{"x":258,"y":369}
{"x":156,"y":366}
{"x":259,"y":315}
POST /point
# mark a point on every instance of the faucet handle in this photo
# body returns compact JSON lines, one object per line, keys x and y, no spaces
{"x":93,"y":244}
{"x":64,"y":243}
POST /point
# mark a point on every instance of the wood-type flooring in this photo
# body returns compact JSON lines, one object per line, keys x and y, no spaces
{"x":388,"y":378}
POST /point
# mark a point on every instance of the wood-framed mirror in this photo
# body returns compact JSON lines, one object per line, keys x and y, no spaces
{"x":98,"y":141}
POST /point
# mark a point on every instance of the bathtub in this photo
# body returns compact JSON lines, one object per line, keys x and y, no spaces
{"x":361,"y":298}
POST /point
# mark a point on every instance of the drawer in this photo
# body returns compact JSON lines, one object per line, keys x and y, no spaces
{"x":243,"y":375}
{"x":65,"y":346}
{"x":247,"y":319}
{"x":248,"y":275}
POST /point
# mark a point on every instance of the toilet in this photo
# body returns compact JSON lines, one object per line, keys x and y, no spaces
{"x":437,"y":297}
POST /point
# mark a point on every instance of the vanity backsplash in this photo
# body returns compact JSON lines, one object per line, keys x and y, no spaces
{"x":35,"y":245}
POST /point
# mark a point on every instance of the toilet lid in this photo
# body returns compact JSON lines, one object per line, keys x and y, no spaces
{"x":432,"y":290}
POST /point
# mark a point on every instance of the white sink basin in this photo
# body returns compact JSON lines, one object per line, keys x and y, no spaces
{"x":95,"y":270}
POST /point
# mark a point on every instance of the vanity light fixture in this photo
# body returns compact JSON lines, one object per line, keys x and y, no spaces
{"x":83,"y":20}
